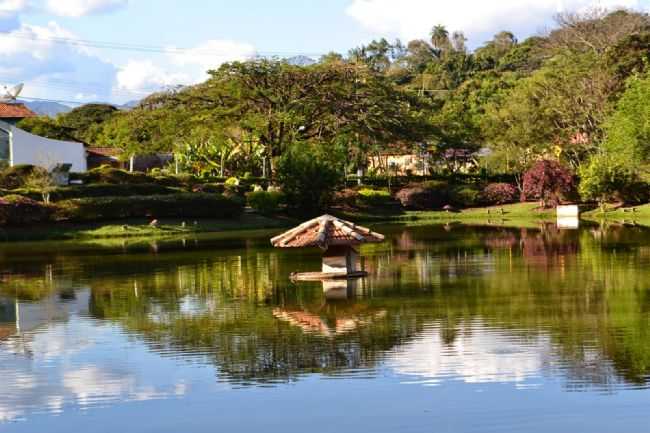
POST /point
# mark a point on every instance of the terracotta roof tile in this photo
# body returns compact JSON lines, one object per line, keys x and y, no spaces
{"x":15,"y":111}
{"x":326,"y":231}
{"x":104,"y":151}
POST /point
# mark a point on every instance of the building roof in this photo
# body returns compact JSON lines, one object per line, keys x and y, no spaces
{"x":326,"y":231}
{"x":15,"y":111}
{"x":112,"y":152}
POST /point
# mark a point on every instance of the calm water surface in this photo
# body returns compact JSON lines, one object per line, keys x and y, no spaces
{"x":457,"y":329}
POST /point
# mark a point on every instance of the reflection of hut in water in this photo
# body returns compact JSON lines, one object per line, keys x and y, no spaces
{"x":313,"y":324}
{"x":337,"y":238}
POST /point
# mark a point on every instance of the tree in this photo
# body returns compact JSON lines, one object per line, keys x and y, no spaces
{"x":628,"y":129}
{"x":594,"y":30}
{"x":308,"y":179}
{"x":489,"y":55}
{"x":558,"y":111}
{"x":440,"y":38}
{"x":547,"y":181}
{"x":605,"y":178}
{"x":279,"y":104}
{"x":47,"y":127}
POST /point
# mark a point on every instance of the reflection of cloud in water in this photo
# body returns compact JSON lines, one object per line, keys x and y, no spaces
{"x":478,"y":354}
{"x":50,"y":370}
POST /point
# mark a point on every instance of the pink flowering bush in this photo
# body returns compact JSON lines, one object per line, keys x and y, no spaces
{"x":499,"y":193}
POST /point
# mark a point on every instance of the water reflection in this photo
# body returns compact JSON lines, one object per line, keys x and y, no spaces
{"x":84,"y":327}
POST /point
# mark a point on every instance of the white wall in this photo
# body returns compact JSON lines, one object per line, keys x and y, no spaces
{"x":26,"y":148}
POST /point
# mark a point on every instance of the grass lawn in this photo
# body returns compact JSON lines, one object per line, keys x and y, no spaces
{"x":488,"y":215}
{"x":636,"y":214}
{"x":141,"y":229}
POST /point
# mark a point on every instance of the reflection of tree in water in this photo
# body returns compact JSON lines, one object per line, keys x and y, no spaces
{"x":225,"y":306}
{"x":548,"y":246}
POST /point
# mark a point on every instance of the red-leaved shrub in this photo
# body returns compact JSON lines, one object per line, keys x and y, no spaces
{"x":547,"y":181}
{"x":499,"y":193}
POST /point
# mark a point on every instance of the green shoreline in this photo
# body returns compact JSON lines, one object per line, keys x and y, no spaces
{"x":515,"y":215}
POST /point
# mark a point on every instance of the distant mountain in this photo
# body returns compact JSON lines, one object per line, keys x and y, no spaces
{"x":301,"y":61}
{"x":46,"y":108}
{"x":128,"y":105}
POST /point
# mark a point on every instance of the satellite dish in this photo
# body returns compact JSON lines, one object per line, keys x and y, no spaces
{"x":12,"y":94}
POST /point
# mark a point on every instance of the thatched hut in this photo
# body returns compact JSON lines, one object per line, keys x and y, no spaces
{"x":337,"y":238}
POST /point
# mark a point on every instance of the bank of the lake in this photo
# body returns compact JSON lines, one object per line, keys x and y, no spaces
{"x":521,"y":213}
{"x":141,"y":228}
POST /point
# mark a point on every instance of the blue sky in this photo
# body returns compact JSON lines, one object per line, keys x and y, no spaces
{"x":150,"y":44}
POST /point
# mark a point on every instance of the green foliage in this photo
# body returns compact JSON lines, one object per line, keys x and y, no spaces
{"x":85,"y":122}
{"x":628,"y":129}
{"x":42,"y":182}
{"x":110,"y":175}
{"x":265,"y":202}
{"x":308,"y":181}
{"x":185,"y":205}
{"x":543,"y":114}
{"x":373,"y":197}
{"x":231,"y":182}
{"x":465,"y":196}
{"x":15,"y":177}
{"x":47,"y":127}
{"x":605,"y":178}
{"x":100,"y":190}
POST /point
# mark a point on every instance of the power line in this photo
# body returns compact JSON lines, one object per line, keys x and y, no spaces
{"x":143,"y":48}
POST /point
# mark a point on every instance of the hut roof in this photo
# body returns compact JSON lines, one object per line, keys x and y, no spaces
{"x":326,"y":231}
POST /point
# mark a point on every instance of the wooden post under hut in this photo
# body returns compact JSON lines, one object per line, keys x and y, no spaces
{"x":337,"y":238}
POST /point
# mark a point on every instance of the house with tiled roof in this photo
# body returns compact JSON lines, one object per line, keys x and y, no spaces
{"x":19,"y":147}
{"x":14,"y":112}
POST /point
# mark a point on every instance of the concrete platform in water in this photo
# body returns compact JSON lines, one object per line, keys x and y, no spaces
{"x":324,"y":276}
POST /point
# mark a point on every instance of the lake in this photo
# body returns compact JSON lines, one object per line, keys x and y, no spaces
{"x":456,"y":329}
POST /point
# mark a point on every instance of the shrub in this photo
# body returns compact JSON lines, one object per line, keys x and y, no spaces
{"x":232,"y":181}
{"x":19,"y":210}
{"x":265,"y":202}
{"x":465,"y":196}
{"x":428,"y":195}
{"x":100,"y":190}
{"x":210,"y":188}
{"x":499,"y":193}
{"x":184,"y":205}
{"x":547,"y":181}
{"x":114,"y":176}
{"x":373,"y":197}
{"x":606,"y":178}
{"x":15,"y":177}
{"x":307,"y":181}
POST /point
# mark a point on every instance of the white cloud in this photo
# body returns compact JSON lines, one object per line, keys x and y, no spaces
{"x":212,"y":53}
{"x":181,"y":66}
{"x":79,"y":8}
{"x":478,"y":355}
{"x":145,"y":76}
{"x":51,"y":69}
{"x":9,"y":13}
{"x":479,"y":19}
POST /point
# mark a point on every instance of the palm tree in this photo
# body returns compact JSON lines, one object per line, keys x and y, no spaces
{"x":440,"y":38}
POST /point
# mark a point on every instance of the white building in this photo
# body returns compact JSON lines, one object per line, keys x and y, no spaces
{"x":18,"y":147}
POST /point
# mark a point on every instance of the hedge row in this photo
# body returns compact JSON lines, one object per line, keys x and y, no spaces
{"x":454,"y":179}
{"x":19,"y":210}
{"x":184,"y":205}
{"x":99,"y":190}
